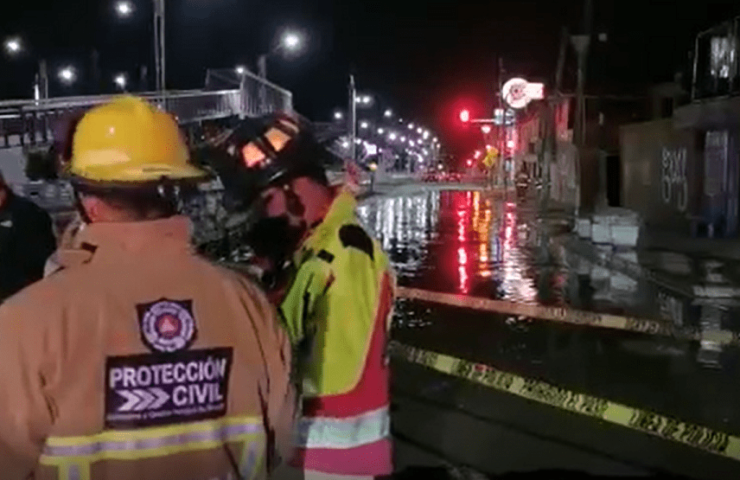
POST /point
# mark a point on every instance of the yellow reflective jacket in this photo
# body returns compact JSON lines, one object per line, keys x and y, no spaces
{"x":338,"y":309}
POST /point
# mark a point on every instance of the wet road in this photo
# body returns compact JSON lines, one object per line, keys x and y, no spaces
{"x":484,"y":244}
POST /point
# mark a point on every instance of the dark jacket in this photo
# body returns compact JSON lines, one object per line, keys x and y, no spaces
{"x":26,"y":242}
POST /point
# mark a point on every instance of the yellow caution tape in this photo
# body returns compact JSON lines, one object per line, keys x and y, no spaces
{"x":567,"y":315}
{"x":668,"y":428}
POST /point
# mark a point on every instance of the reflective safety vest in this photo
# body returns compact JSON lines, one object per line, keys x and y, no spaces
{"x":337,"y":312}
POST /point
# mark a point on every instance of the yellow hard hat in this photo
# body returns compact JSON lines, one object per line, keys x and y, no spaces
{"x":129,"y":140}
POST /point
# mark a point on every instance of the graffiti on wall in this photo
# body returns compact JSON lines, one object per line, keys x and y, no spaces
{"x":674,"y":186}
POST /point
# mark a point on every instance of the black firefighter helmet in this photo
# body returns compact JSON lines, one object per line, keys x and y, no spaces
{"x":267,"y":151}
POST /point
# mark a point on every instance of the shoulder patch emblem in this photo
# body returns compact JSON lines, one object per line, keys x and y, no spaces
{"x":354,"y":236}
{"x":167,"y":325}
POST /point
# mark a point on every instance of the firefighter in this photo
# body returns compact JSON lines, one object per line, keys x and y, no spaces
{"x":337,"y":303}
{"x":139,"y":360}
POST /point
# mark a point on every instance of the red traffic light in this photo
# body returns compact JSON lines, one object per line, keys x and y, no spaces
{"x":465,"y":116}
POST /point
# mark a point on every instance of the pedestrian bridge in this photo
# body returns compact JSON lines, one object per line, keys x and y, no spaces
{"x":226,"y":94}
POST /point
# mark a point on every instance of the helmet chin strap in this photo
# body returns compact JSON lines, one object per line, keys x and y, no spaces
{"x":80,"y":208}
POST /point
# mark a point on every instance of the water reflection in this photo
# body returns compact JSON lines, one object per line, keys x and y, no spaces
{"x":483,"y":257}
{"x":475,"y":244}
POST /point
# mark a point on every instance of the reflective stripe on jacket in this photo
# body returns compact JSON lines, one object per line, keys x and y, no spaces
{"x":337,"y":313}
{"x":141,"y":361}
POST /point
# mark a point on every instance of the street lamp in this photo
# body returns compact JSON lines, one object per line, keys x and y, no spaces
{"x":124,"y":9}
{"x":392,"y":137}
{"x":364,"y":125}
{"x":338,"y":116}
{"x":240,"y":69}
{"x":67,"y":75}
{"x":403,"y":139}
{"x":120,"y":80}
{"x":290,"y":42}
{"x":411,"y":126}
{"x":13,"y":45}
{"x":388,"y":113}
{"x":380,"y":131}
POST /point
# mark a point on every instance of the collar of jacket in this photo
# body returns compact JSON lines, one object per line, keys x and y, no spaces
{"x":151,"y":239}
{"x":341,"y":211}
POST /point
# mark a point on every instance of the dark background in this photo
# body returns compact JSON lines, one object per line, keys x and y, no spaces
{"x":426,"y":60}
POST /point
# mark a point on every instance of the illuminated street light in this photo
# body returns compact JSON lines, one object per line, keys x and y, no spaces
{"x":120,"y":80}
{"x":124,"y":9}
{"x":338,"y":116}
{"x":388,"y":113}
{"x":380,"y":131}
{"x":392,"y":137}
{"x":411,"y":126}
{"x":403,"y":139}
{"x":240,"y":69}
{"x":345,"y":144}
{"x":67,"y":75}
{"x":364,"y":125}
{"x":292,"y":41}
{"x":412,"y":143}
{"x":13,"y":45}
{"x":485,"y":129}
{"x":419,"y":130}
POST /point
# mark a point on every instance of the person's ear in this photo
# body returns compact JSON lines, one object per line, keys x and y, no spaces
{"x":94,"y":208}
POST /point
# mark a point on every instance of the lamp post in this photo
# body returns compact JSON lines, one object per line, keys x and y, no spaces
{"x":14,"y":47}
{"x":290,"y":42}
{"x":124,"y":9}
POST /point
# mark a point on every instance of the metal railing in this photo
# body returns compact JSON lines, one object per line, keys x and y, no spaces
{"x":29,"y":122}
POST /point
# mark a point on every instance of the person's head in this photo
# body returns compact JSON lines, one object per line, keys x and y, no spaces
{"x":277,"y":166}
{"x":127,"y":162}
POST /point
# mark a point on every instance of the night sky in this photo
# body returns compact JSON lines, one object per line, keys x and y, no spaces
{"x":426,"y":60}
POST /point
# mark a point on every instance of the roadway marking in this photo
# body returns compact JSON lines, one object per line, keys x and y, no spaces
{"x":668,"y":428}
{"x":570,"y":316}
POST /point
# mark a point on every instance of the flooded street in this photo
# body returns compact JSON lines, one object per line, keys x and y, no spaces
{"x":484,"y":244}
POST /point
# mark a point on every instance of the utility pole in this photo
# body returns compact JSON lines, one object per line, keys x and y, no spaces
{"x":143,"y":83}
{"x":96,"y":77}
{"x":352,"y":118}
{"x":550,"y":144}
{"x":581,"y":44}
{"x":43,"y":80}
{"x":159,"y":44}
{"x":262,"y":72}
{"x":504,"y":127}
